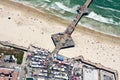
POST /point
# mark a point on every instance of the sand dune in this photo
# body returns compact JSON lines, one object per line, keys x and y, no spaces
{"x":23,"y":25}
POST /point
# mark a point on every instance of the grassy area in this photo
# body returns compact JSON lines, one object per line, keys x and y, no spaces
{"x":17,"y":53}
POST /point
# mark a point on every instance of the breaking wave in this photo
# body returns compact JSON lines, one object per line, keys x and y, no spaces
{"x":65,"y":8}
{"x":100,"y":18}
{"x":106,"y":8}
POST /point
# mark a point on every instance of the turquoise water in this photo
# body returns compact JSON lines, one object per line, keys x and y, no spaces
{"x":104,"y":15}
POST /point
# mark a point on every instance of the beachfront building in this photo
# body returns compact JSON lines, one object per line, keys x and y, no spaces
{"x":85,"y":70}
{"x":66,"y":69}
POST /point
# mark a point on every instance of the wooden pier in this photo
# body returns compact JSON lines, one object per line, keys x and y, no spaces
{"x":64,"y":40}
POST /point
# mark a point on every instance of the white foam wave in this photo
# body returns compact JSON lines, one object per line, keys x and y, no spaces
{"x":47,"y":0}
{"x":110,"y":0}
{"x":44,"y":5}
{"x":65,"y":8}
{"x":116,"y":17}
{"x":100,"y":18}
{"x":105,"y":8}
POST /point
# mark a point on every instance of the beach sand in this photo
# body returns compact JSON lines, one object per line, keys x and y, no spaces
{"x":23,"y":26}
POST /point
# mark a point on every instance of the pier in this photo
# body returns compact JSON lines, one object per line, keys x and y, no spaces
{"x":64,"y":40}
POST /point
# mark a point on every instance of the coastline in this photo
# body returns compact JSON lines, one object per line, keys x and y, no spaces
{"x":90,"y":40}
{"x":60,"y":19}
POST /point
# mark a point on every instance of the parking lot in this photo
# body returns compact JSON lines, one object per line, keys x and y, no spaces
{"x":37,"y":66}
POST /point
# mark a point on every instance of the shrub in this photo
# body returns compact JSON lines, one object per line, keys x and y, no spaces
{"x":17,"y":53}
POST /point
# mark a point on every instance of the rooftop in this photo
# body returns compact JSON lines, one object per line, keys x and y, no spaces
{"x":76,"y":68}
{"x":8,"y":74}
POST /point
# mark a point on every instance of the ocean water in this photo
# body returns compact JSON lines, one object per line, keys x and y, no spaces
{"x":104,"y":15}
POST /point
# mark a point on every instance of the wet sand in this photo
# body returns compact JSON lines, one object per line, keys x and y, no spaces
{"x":23,"y":25}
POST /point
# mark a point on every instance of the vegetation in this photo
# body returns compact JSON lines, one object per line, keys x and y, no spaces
{"x":25,"y":69}
{"x":10,"y":51}
{"x":29,"y":78}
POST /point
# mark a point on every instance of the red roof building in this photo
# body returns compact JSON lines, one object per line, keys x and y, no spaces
{"x":8,"y":74}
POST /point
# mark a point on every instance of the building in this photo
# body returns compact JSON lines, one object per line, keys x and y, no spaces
{"x":7,"y":58}
{"x":8,"y":74}
{"x":63,"y":68}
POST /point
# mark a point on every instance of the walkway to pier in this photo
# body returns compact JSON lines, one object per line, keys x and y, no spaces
{"x":64,"y":40}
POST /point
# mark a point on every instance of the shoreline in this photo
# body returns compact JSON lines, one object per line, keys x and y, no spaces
{"x":67,"y":21}
{"x":63,"y":20}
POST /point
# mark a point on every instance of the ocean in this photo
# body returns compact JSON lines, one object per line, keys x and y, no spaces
{"x":104,"y":15}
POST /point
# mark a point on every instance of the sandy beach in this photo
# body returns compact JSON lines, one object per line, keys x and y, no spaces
{"x":24,"y":25}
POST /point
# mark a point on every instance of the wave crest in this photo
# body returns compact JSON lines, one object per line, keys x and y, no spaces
{"x":47,"y":0}
{"x":65,"y":8}
{"x":106,"y":8}
{"x":100,"y":18}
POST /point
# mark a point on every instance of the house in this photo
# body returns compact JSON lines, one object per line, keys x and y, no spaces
{"x":8,"y":74}
{"x":10,"y":58}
